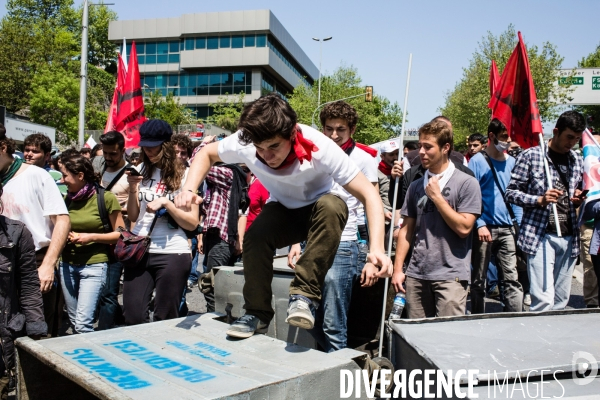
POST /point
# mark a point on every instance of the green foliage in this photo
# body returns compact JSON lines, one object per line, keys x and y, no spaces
{"x":591,"y":61}
{"x":377,"y":121}
{"x":226,"y":114}
{"x":466,"y":105}
{"x":167,"y":108}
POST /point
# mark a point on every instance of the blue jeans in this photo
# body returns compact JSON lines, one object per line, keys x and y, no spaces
{"x":109,"y":298}
{"x":195,"y":255}
{"x":550,"y":273}
{"x":81,"y":286}
{"x":331,"y":322}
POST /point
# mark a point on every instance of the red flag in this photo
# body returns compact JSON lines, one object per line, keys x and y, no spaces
{"x":494,"y":78}
{"x":112,"y":112}
{"x":130,"y":104}
{"x":514,"y":101}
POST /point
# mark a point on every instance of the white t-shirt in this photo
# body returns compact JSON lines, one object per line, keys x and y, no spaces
{"x":164,"y":239}
{"x":120,"y":188}
{"x":297,"y":185}
{"x":368,"y":166}
{"x":32,"y":197}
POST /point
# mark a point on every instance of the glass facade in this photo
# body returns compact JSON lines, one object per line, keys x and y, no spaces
{"x":199,"y":83}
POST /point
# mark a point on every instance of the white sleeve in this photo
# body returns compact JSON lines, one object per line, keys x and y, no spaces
{"x":53,"y":202}
{"x":230,"y":148}
{"x":370,"y":169}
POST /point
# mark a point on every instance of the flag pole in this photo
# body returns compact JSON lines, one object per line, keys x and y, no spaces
{"x":389,"y":252}
{"x":83,"y":74}
{"x":550,"y":187}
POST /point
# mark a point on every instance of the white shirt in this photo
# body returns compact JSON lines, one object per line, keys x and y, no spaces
{"x":164,"y":239}
{"x":32,"y":197}
{"x":368,"y":166}
{"x":297,"y":185}
{"x":120,"y":188}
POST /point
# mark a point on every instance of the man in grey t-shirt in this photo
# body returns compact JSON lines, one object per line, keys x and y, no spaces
{"x":439,"y":213}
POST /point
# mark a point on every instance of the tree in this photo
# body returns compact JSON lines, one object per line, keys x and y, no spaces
{"x":377,"y":121}
{"x":102,"y":53}
{"x":466,"y":105}
{"x":226,"y":114}
{"x":167,"y":108}
{"x":591,"y":112}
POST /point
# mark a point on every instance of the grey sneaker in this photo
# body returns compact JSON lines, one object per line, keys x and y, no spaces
{"x":246,"y":326}
{"x":301,"y":312}
{"x":527,"y":299}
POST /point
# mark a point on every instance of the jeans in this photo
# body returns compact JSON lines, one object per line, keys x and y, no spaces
{"x":503,"y":246}
{"x":109,"y":298}
{"x":331,"y":320}
{"x":82,"y":285}
{"x":550,"y":272}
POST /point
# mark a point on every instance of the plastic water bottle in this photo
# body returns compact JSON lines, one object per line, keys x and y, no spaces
{"x":399,"y":303}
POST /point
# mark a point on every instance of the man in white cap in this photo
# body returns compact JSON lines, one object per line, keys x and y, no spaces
{"x":389,"y":155}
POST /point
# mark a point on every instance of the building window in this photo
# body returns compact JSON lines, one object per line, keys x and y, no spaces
{"x":189,"y":43}
{"x":174,"y":46}
{"x":237,"y":42}
{"x":162,"y":48}
{"x":201,"y":84}
{"x":225,"y":42}
{"x":201,"y":43}
{"x":139,"y":48}
{"x":150,"y":48}
{"x":249,"y":40}
{"x":261,"y":40}
{"x":212,"y":43}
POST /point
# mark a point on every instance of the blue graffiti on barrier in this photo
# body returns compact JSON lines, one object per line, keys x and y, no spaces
{"x":123,"y":378}
{"x":178,"y":370}
{"x":202,"y":354}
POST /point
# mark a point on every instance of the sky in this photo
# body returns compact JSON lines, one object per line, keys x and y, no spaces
{"x":377,"y":36}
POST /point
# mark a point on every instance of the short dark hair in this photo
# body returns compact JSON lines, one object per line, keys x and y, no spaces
{"x":183,"y":141}
{"x":476,"y":137}
{"x":69,"y":152}
{"x":496,"y":127}
{"x":40,"y":141}
{"x":10,"y":144}
{"x":85,"y":150}
{"x":95,"y":149}
{"x":411,"y":145}
{"x":570,"y":120}
{"x":76,"y":163}
{"x":266,"y":118}
{"x":113,"y":137}
{"x":339,"y":110}
{"x":441,"y":131}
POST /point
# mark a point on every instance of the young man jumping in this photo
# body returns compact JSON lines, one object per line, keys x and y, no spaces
{"x":304,"y":172}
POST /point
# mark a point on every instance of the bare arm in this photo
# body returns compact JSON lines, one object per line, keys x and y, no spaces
{"x":239,"y":244}
{"x":366,"y":193}
{"x":198,"y":171}
{"x":62,"y":226}
{"x":133,"y":202}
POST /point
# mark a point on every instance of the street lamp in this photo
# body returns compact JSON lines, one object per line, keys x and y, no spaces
{"x":320,"y":62}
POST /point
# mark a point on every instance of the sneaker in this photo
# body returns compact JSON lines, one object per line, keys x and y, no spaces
{"x":301,"y":312}
{"x":190,"y":284}
{"x":247,"y":326}
{"x":527,"y":299}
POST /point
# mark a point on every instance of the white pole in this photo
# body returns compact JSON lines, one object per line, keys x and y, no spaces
{"x":124,"y":55}
{"x":320,"y":65}
{"x":83,"y":84}
{"x":389,"y":252}
{"x":549,"y":178}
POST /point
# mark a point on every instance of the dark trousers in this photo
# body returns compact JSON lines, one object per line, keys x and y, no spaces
{"x":53,"y":300}
{"x":217,"y":254}
{"x":320,"y":224}
{"x":503,"y":246}
{"x":108,"y":303}
{"x":167,"y":273}
{"x":596,"y":263}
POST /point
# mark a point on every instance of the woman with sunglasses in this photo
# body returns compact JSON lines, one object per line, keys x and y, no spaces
{"x":87,"y":252}
{"x":167,"y":264}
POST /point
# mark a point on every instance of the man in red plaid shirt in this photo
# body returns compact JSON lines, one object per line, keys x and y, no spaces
{"x":218,"y":246}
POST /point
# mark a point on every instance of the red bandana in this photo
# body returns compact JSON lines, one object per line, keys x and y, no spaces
{"x":385,"y":169}
{"x":368,"y":149}
{"x":302,"y":149}
{"x":350,"y":144}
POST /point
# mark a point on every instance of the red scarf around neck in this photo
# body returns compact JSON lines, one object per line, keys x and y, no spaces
{"x":350,"y":144}
{"x":302,"y":149}
{"x":385,"y":169}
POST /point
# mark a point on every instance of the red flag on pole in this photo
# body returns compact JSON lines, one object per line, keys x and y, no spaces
{"x":112,"y":112}
{"x":130,"y":104}
{"x":514,"y":101}
{"x":494,"y":78}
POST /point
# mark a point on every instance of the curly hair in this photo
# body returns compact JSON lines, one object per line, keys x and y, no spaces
{"x":76,"y":163}
{"x":40,"y":141}
{"x":7,"y":142}
{"x":171,"y":167}
{"x":339,"y":110}
{"x":183,"y":141}
{"x":266,"y":118}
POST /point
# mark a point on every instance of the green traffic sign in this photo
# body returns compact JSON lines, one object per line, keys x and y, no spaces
{"x":571,"y":80}
{"x":595,"y":82}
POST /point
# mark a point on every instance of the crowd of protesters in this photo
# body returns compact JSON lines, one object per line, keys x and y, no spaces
{"x":278,"y":183}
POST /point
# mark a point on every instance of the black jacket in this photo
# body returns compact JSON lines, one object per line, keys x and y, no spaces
{"x":413,"y":174}
{"x":20,"y":296}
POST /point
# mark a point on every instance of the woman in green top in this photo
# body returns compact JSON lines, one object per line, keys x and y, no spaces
{"x":86,"y":254}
